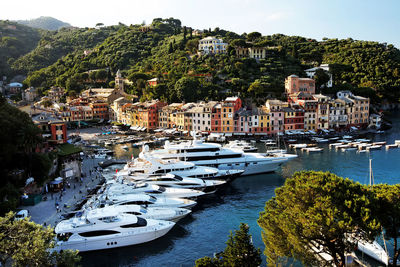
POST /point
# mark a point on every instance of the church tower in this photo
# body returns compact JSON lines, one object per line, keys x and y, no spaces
{"x":119,"y":81}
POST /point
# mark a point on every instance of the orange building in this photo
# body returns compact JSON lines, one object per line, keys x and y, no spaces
{"x":294,"y":84}
{"x":100,"y":110}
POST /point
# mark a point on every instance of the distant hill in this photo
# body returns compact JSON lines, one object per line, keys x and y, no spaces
{"x":45,"y":23}
{"x":15,"y":40}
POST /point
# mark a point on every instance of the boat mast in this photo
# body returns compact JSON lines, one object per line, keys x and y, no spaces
{"x":371,"y":176}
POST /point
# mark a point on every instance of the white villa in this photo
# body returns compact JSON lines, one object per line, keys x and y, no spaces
{"x":212,"y":45}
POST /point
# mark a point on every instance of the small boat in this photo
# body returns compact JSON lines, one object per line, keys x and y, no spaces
{"x":374,"y":147}
{"x":125,"y":147}
{"x":312,"y":149}
{"x":333,"y":138}
{"x":344,"y":149}
{"x":392,"y":146}
{"x":321,"y":140}
{"x":347,"y":137}
{"x":241,"y":145}
{"x":397,"y":142}
{"x":295,"y":146}
{"x":333,"y":145}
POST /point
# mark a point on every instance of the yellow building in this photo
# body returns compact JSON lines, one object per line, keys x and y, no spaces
{"x":227,"y":121}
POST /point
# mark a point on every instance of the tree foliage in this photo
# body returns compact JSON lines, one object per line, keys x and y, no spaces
{"x":315,"y":213}
{"x":389,"y":214}
{"x":239,"y":251}
{"x":16,"y":154}
{"x":26,"y":243}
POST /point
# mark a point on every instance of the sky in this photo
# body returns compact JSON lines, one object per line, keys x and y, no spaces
{"x":377,"y":20}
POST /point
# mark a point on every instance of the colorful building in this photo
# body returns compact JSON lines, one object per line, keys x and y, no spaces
{"x":54,"y":129}
{"x":294,"y":84}
{"x":294,"y":118}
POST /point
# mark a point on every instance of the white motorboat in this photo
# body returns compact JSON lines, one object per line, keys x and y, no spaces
{"x":140,"y":199}
{"x":344,"y":149}
{"x":151,"y":189}
{"x":156,"y":213}
{"x":172,"y":180}
{"x":296,"y":146}
{"x":374,"y":147}
{"x":147,"y":164}
{"x":333,"y":145}
{"x":97,"y":230}
{"x":312,"y":149}
{"x":209,"y":154}
{"x":241,"y":145}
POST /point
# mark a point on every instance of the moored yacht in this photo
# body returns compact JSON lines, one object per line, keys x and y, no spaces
{"x":151,"y":189}
{"x":146,"y":164}
{"x":98,"y":230}
{"x":139,"y":199}
{"x":156,"y":213}
{"x":175,"y":181}
{"x":213,"y":155}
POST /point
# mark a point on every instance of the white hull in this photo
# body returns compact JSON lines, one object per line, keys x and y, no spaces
{"x":249,"y":168}
{"x":112,"y":241}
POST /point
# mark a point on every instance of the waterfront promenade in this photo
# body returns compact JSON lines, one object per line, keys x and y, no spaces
{"x":45,"y":212}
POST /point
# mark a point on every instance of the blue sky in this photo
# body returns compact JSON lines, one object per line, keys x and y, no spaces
{"x":358,"y":19}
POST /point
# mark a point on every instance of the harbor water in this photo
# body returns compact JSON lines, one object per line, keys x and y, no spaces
{"x":206,"y":230}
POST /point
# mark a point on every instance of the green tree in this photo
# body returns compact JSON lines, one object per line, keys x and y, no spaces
{"x":253,"y":36}
{"x":26,"y":243}
{"x":321,"y":77}
{"x":256,"y":88}
{"x":187,"y":88}
{"x":192,"y":45}
{"x":239,"y":251}
{"x":315,"y":213}
{"x":389,"y":214}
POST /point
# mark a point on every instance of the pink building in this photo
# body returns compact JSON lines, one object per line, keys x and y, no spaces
{"x":294,"y":84}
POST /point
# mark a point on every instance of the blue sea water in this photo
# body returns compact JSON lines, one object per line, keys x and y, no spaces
{"x":206,"y":230}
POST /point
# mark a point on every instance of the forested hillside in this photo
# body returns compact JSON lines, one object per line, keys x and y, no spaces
{"x":45,"y":23}
{"x":15,"y":41}
{"x":167,"y":50}
{"x":56,"y":44}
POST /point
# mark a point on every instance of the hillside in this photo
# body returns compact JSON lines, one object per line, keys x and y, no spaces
{"x":56,"y":44}
{"x":169,"y":51}
{"x":15,"y":41}
{"x":44,"y":23}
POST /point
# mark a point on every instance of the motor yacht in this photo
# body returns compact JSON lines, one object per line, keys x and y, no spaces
{"x":241,"y":145}
{"x":147,"y":164}
{"x":213,"y":155}
{"x":97,"y":229}
{"x":156,"y":213}
{"x":151,"y":189}
{"x":176,"y":181}
{"x":139,"y":199}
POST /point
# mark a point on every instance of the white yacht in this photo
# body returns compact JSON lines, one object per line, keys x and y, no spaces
{"x":151,"y":189}
{"x":172,"y":180}
{"x":213,"y":155}
{"x":106,"y":229}
{"x":156,"y":213}
{"x":146,"y":164}
{"x":139,"y":199}
{"x":241,"y":145}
